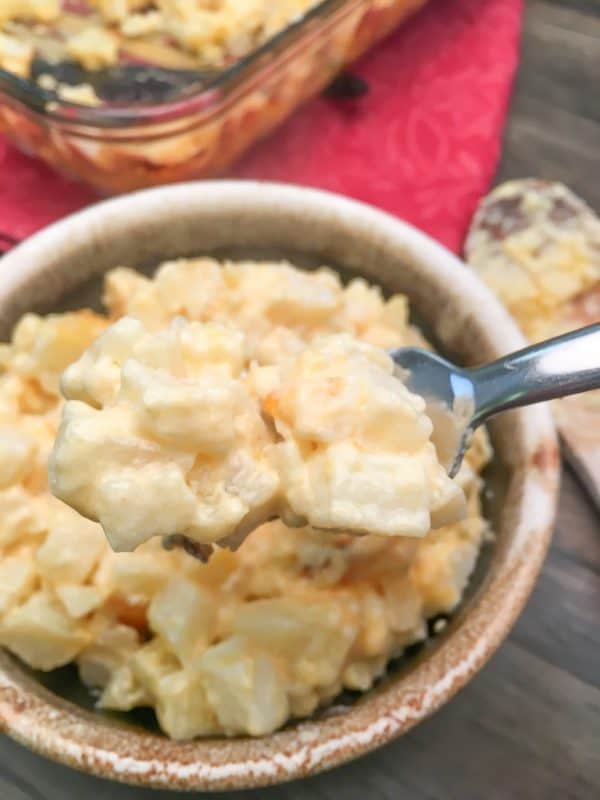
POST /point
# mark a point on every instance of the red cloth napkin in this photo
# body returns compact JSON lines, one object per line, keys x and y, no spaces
{"x":423,"y":143}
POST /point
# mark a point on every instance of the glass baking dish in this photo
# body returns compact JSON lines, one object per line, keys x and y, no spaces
{"x":117,"y":148}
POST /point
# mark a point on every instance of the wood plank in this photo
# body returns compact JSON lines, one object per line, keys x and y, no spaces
{"x":553,"y":128}
{"x":568,"y":14}
{"x":554,"y":63}
{"x":545,"y":141}
{"x":577,"y":519}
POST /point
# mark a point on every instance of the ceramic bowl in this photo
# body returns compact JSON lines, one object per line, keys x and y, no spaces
{"x":56,"y":269}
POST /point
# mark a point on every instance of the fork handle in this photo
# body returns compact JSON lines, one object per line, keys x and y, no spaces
{"x":558,"y":367}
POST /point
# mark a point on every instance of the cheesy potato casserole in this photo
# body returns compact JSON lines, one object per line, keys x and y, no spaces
{"x":125,"y":94}
{"x":205,"y":396}
{"x":537,"y":245}
{"x":176,"y":433}
{"x":180,"y":33}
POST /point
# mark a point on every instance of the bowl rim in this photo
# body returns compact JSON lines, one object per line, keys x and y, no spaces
{"x":59,"y":730}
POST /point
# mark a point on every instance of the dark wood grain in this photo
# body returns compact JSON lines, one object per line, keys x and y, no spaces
{"x":554,"y":124}
{"x":528,"y":726}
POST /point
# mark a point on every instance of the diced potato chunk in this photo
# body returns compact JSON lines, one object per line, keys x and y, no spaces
{"x":71,"y":550}
{"x":182,"y":708}
{"x":79,"y":601}
{"x":138,"y":576}
{"x":111,"y":649}
{"x":184,"y":615}
{"x":151,"y":663}
{"x":44,"y":346}
{"x":41,"y":633}
{"x":442,"y":567}
{"x":15,"y":55}
{"x":312,"y":638}
{"x":124,"y":692}
{"x":17,"y":580}
{"x":21,"y":518}
{"x":94,"y":47}
{"x":16,"y":454}
{"x":244,"y":687}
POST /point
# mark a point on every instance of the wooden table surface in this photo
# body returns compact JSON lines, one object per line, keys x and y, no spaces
{"x":528,"y":726}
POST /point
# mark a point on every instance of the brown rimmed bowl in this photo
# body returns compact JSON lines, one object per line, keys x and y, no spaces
{"x":61,"y":267}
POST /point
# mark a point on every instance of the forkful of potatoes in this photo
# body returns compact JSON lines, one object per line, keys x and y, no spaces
{"x":170,"y":435}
